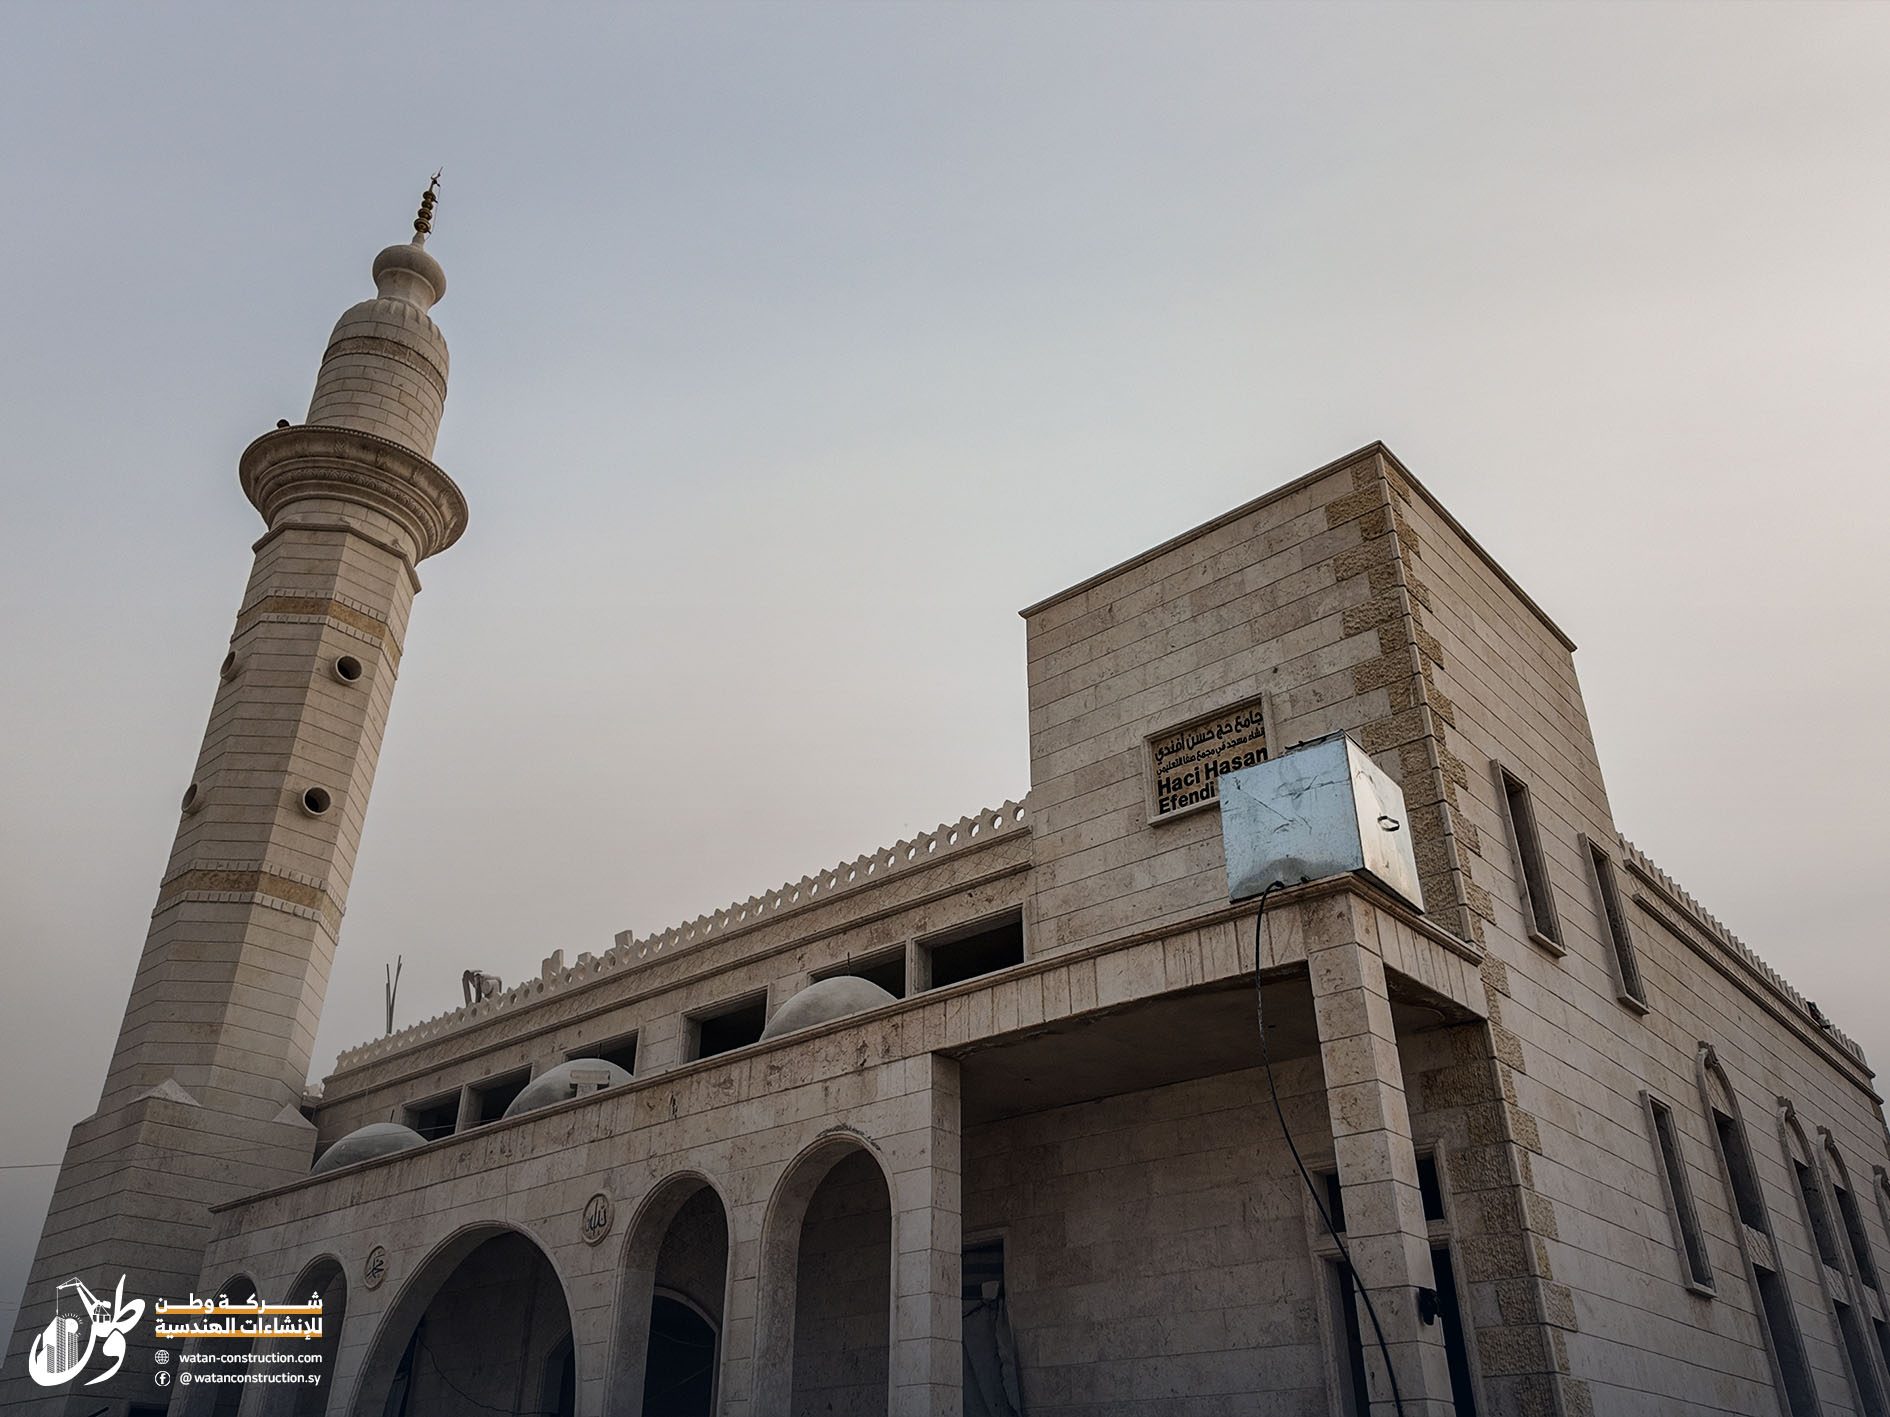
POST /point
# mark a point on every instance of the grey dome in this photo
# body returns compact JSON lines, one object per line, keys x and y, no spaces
{"x":559,"y":1085}
{"x":824,"y":1001}
{"x":366,"y":1143}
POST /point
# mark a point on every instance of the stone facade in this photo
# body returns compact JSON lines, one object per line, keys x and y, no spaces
{"x":1582,"y":1151}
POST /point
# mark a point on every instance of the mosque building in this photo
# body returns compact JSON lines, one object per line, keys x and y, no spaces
{"x":1023,"y":1114}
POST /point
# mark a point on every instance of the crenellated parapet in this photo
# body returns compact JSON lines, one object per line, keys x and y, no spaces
{"x":1676,"y":897}
{"x":631,"y":951}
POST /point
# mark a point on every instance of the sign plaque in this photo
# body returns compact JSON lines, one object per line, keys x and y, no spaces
{"x":1185,"y":763}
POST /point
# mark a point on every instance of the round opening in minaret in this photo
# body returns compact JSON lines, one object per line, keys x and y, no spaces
{"x":316,"y":800}
{"x":228,"y":668}
{"x":347,"y":669}
{"x":191,"y":794}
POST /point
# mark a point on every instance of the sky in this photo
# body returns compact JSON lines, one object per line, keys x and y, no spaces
{"x":796,"y":347}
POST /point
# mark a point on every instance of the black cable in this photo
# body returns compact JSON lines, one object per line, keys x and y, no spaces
{"x":1345,"y":1255}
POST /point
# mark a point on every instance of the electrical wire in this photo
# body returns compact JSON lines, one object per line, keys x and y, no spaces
{"x":1345,"y":1255}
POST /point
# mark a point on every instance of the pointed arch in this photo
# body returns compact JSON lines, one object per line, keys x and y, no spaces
{"x":499,"y":1351}
{"x":1777,"y":1315}
{"x":851,"y":1156}
{"x":1815,"y":1209}
{"x":676,"y":1251}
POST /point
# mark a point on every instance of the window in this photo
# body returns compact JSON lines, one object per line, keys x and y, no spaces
{"x":1854,"y":1231}
{"x":983,"y":1264}
{"x":1538,"y":901}
{"x":436,"y":1117}
{"x":1778,"y":1322}
{"x":1353,"y":1392}
{"x":1354,"y":1397}
{"x":1863,"y":1260}
{"x":966,"y":953}
{"x":1747,"y":1200}
{"x":486,"y":1101}
{"x":1627,"y":964}
{"x":1680,"y":1208}
{"x":887,"y":968}
{"x":1817,"y":1217}
{"x":727,"y":1026}
{"x":621,"y":1050}
{"x":1430,"y":1188}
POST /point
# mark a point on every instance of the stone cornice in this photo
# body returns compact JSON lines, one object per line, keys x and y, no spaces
{"x":342,"y":464}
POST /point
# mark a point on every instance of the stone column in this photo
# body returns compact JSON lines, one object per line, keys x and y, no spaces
{"x":927,"y":1360}
{"x":1385,"y":1230}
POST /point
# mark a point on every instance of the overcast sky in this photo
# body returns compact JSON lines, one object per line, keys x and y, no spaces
{"x":796,"y":347}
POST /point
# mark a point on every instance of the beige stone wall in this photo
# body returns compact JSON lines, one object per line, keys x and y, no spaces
{"x":1265,"y":600}
{"x":1573,"y":1060}
{"x":1156,"y":1247}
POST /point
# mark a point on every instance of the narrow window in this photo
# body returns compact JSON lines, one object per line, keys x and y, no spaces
{"x":1816,"y":1216}
{"x":1686,"y":1220}
{"x":1778,"y":1321}
{"x":621,"y":1050}
{"x":1627,"y":964}
{"x":1538,"y":902}
{"x":887,"y":969}
{"x":728,"y":1026}
{"x":490,"y":1098}
{"x":1429,"y":1188}
{"x":1782,"y":1327}
{"x":1456,"y":1352}
{"x":1353,"y":1395}
{"x":965,"y":954}
{"x":1747,"y":1200}
{"x":1335,"y":1202}
{"x":1854,"y":1232}
{"x":1850,"y":1325}
{"x":1353,"y":1391}
{"x":436,"y":1117}
{"x":983,"y":1264}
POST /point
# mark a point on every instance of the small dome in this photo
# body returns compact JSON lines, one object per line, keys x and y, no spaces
{"x":366,"y":1143}
{"x":567,"y":1080}
{"x":824,"y":1001}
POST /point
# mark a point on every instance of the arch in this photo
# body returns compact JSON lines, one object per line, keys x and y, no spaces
{"x":324,"y":1277}
{"x":409,"y":1372}
{"x":780,"y":1337}
{"x":219,"y":1399}
{"x":1815,"y":1208}
{"x":1777,"y":1314}
{"x":1880,"y":1184}
{"x":1862,"y":1269}
{"x":677,"y":1249}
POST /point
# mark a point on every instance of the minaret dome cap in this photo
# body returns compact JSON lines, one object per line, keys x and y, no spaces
{"x":408,"y":272}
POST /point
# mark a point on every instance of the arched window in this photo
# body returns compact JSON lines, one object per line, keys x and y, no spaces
{"x":1778,"y":1324}
{"x":1862,"y":1271}
{"x":1816,"y":1212}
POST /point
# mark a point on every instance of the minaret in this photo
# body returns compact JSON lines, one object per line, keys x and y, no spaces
{"x":202,"y":1099}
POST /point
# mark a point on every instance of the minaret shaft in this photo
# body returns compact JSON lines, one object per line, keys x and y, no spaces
{"x":201,"y":1101}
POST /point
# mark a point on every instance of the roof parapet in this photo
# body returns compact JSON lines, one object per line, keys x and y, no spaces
{"x":1710,"y":925}
{"x":630,"y":952}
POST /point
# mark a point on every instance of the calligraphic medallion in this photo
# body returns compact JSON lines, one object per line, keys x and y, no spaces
{"x":596,"y":1219}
